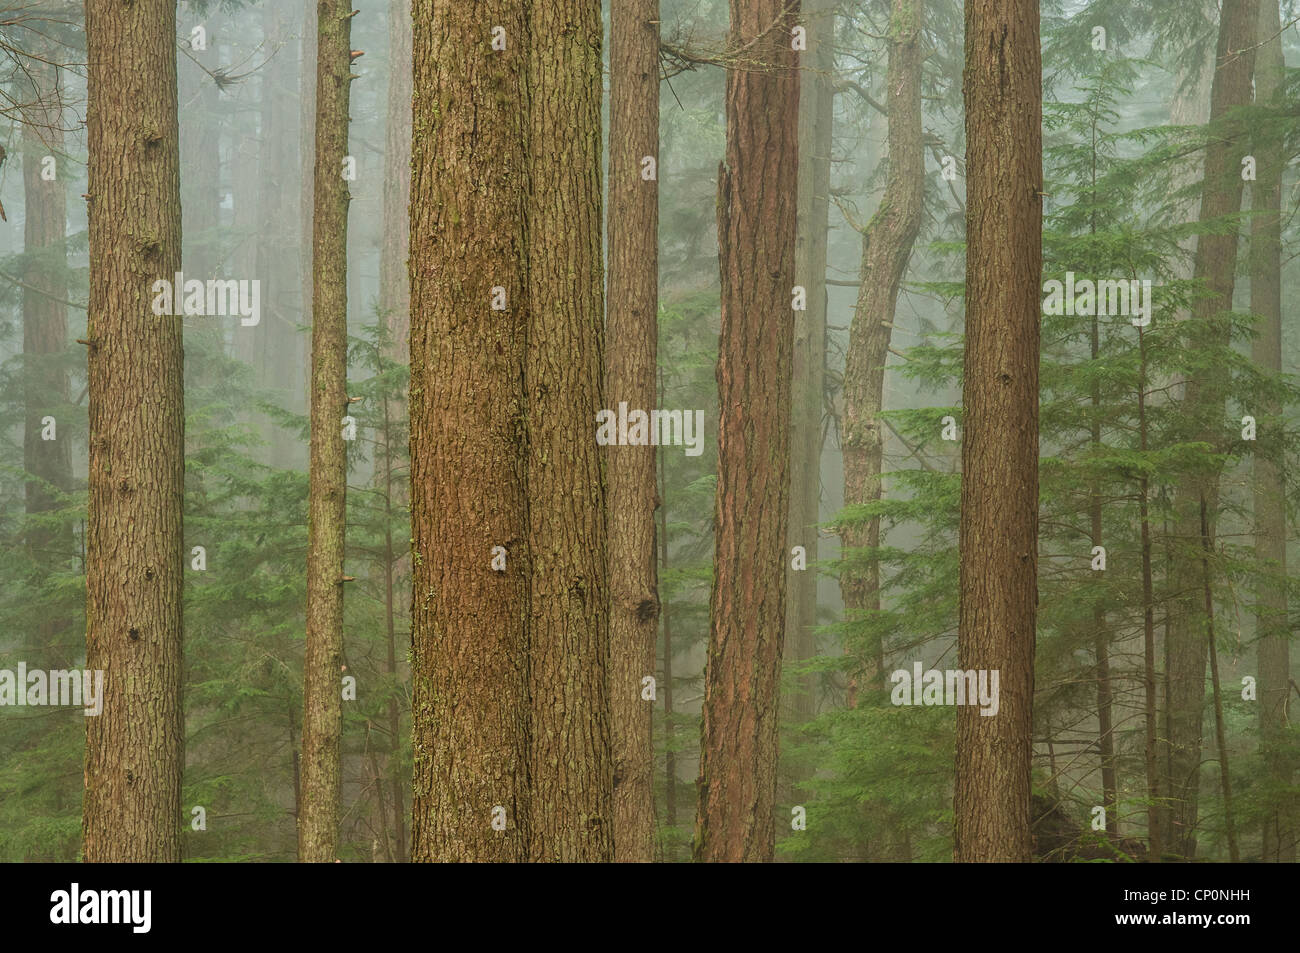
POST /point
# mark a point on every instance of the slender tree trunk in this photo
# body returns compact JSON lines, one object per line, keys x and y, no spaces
{"x":271,"y":345}
{"x":1155,"y":813}
{"x":1215,"y":266}
{"x":757,"y":194}
{"x":999,"y":490}
{"x":469,"y":486}
{"x":322,"y":722}
{"x":1280,"y":828}
{"x":670,"y":756}
{"x":887,"y":244}
{"x":632,"y":336}
{"x":1100,"y":632}
{"x":391,"y":559}
{"x":307,"y":158}
{"x":132,"y":807}
{"x":816,"y":117}
{"x":1220,"y":737}
{"x":395,"y":306}
{"x":48,"y":463}
{"x":394,"y":286}
{"x":570,"y":760}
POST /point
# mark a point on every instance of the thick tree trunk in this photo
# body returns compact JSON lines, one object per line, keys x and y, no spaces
{"x":48,"y":463}
{"x":757,"y":194}
{"x":570,"y":759}
{"x":1280,"y":826}
{"x":132,"y":807}
{"x":469,"y":487}
{"x":816,"y":118}
{"x":631,"y":334}
{"x":999,"y":491}
{"x":322,"y":723}
{"x":1215,"y":266}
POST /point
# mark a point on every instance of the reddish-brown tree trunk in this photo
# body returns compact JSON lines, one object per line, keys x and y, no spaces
{"x":631,"y":334}
{"x":1002,"y":86}
{"x":757,"y":192}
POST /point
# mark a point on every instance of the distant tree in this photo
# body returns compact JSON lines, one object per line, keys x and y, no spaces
{"x":1280,"y":829}
{"x":1215,"y":267}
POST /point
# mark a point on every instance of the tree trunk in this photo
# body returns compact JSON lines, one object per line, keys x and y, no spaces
{"x":1002,"y":86}
{"x":307,"y":159}
{"x":394,"y":287}
{"x":48,"y":463}
{"x":1220,"y":735}
{"x":757,"y":195}
{"x":322,"y":722}
{"x":670,"y":756}
{"x":132,"y":806}
{"x":887,"y":243}
{"x":1215,"y":266}
{"x":270,"y":347}
{"x":886,"y":249}
{"x":570,"y":758}
{"x":395,"y":308}
{"x":816,"y":118}
{"x":1151,"y":758}
{"x":632,"y":332}
{"x":469,"y":487}
{"x":1280,"y":828}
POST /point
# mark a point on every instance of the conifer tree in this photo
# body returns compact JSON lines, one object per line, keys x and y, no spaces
{"x":134,"y":748}
{"x":322,"y":722}
{"x":1002,"y":85}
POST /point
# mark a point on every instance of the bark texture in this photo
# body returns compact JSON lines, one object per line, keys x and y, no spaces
{"x":757,"y":194}
{"x":570,"y":758}
{"x":322,"y":723}
{"x":1002,"y":86}
{"x":134,"y":562}
{"x":632,"y":335}
{"x":469,"y":487}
